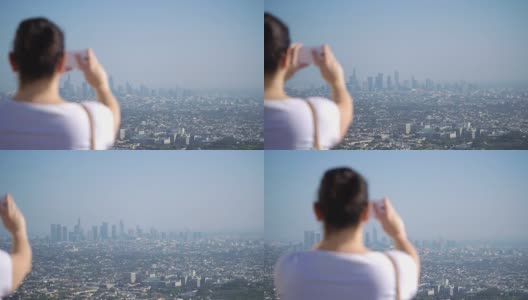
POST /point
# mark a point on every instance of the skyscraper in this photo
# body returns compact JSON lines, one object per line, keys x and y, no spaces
{"x":397,"y":79}
{"x":379,"y":82}
{"x":353,"y":81}
{"x":85,"y":93}
{"x":414,"y":83}
{"x":408,"y":128}
{"x":309,"y":238}
{"x":94,"y":232}
{"x":112,"y":83}
{"x":122,"y":134}
{"x":114,"y":232}
{"x":64,"y":233}
{"x":77,"y":229}
{"x":104,"y":231}
{"x":121,"y":228}
{"x":370,"y":84}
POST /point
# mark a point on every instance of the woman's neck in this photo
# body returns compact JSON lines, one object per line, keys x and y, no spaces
{"x":348,"y":240}
{"x":274,"y":88}
{"x":45,"y":91}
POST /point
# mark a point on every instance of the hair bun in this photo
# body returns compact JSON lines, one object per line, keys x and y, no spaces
{"x":343,"y":197}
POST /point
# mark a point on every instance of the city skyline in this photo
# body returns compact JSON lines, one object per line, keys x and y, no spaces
{"x":440,"y":194}
{"x":166,"y":190}
{"x":80,"y":232}
{"x":170,"y":47}
{"x":475,"y":41}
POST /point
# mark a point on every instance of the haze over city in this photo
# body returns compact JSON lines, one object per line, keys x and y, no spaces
{"x":209,"y":192}
{"x":206,"y":44}
{"x":477,"y":41}
{"x":439,"y":194}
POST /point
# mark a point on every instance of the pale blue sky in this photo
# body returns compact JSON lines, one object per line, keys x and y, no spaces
{"x":449,"y":194}
{"x":474,"y":40}
{"x":209,"y":191}
{"x":163,"y":43}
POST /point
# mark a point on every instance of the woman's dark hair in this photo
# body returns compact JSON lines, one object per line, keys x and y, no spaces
{"x":276,"y":42}
{"x":343,"y":196}
{"x":37,"y":49}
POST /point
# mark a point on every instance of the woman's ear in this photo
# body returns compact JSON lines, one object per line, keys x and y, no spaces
{"x":61,"y":66}
{"x":12,"y":62}
{"x":286,"y":58}
{"x":365,"y":215}
{"x":317,"y":212}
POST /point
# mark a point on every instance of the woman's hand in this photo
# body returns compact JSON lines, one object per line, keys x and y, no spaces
{"x":293,"y":60}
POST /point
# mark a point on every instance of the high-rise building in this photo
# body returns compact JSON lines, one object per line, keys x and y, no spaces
{"x":55,"y":235}
{"x":64,"y":233}
{"x":379,"y":82}
{"x":473,"y":133}
{"x":370,"y":84}
{"x":85,"y":90}
{"x":408,"y":128}
{"x":77,"y":228}
{"x":397,"y":79}
{"x":121,"y":228}
{"x":122,"y":134}
{"x":67,"y":88}
{"x":429,"y":84}
{"x":129,"y":89}
{"x":104,"y":231}
{"x":114,"y":232}
{"x":309,"y":238}
{"x":94,"y":232}
{"x":445,"y":282}
{"x":133,"y":277}
{"x":389,"y":83}
{"x":112,"y":83}
{"x":353,"y":81}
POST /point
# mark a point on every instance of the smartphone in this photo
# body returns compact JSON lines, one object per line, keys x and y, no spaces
{"x":71,"y":61}
{"x":305,"y":55}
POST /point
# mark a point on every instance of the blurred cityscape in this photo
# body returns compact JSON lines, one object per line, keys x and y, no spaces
{"x":390,"y":113}
{"x":107,"y":261}
{"x":451,"y":269}
{"x":179,"y":118}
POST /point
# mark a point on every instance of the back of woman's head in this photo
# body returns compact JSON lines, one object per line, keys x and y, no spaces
{"x":276,"y":42}
{"x":343,"y":197}
{"x":38,"y":49}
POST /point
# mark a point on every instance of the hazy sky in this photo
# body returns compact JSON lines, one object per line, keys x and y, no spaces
{"x":474,"y":40}
{"x":209,"y":191}
{"x":448,"y":194}
{"x":163,"y":43}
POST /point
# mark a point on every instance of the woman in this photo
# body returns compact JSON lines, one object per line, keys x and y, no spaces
{"x":341,"y":266}
{"x":16,"y":265}
{"x":38,"y":117}
{"x":295,"y":123}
